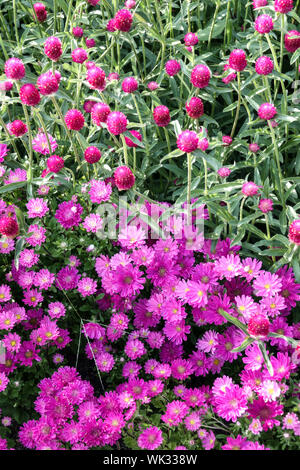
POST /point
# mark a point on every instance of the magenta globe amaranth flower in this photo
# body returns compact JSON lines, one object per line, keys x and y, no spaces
{"x":264,"y":24}
{"x":237,"y":60}
{"x":17,"y":128}
{"x":187,"y":141}
{"x":123,"y":20}
{"x":161,"y":115}
{"x":172,"y":67}
{"x":294,"y":232}
{"x":129,"y":85}
{"x":200,"y":76}
{"x":264,"y":65}
{"x":153,"y":86}
{"x":96,"y":78}
{"x":29,"y":94}
{"x":124,"y":178}
{"x":191,"y":39}
{"x":9,"y":227}
{"x":74,"y":119}
{"x":292,"y":40}
{"x":203,"y":144}
{"x":116,"y":122}
{"x":250,"y":188}
{"x":227,"y":140}
{"x":254,"y":147}
{"x":40,"y":11}
{"x":55,"y":163}
{"x":194,"y":107}
{"x":77,"y":32}
{"x":90,"y":43}
{"x":92,"y":154}
{"x":135,"y":134}
{"x":258,"y":326}
{"x":259,"y":3}
{"x":47,"y":83}
{"x":265,"y":205}
{"x":267,"y":111}
{"x":79,"y":55}
{"x":224,"y":172}
{"x":100,"y":112}
{"x":283,"y":6}
{"x":14,"y":69}
{"x":53,"y":48}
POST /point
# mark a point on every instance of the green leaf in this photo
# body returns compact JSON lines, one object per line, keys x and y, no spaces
{"x":244,"y":345}
{"x":6,"y":188}
{"x":265,"y":355}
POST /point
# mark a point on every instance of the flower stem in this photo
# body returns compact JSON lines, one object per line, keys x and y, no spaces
{"x":9,"y":137}
{"x":277,"y":159}
{"x":142,"y":124}
{"x":125,"y":150}
{"x":238,"y":105}
{"x":242,"y":207}
{"x":15,"y":22}
{"x":189,"y":185}
{"x":213,"y":23}
{"x":44,"y":129}
{"x":205,"y":177}
{"x":167,"y":139}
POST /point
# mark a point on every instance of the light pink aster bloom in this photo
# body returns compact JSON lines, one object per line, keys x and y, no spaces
{"x":87,"y":286}
{"x":93,"y":223}
{"x":99,"y":191}
{"x":132,"y":237}
{"x":228,"y":266}
{"x":40,"y":143}
{"x":208,"y":342}
{"x":150,"y":439}
{"x":255,"y":427}
{"x":267,"y":284}
{"x":5,"y":293}
{"x":37,"y":235}
{"x":269,"y":390}
{"x":37,"y":208}
{"x":6,"y":245}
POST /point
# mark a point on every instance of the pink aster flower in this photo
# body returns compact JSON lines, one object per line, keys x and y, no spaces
{"x":67,"y":278}
{"x":93,"y":223}
{"x":134,"y":349}
{"x":265,"y":205}
{"x":37,"y":208}
{"x":68,"y":214}
{"x":43,"y":279}
{"x":266,"y":412}
{"x":132,"y":237}
{"x":56,"y":310}
{"x":87,"y":286}
{"x":267,"y":284}
{"x":128,"y":281}
{"x":99,"y":191}
{"x":36,"y":235}
{"x":5,"y":293}
{"x":3,"y":381}
{"x":150,"y":439}
{"x":40,"y":143}
{"x":32,"y":297}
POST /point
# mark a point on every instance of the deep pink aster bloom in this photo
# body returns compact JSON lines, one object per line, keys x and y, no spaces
{"x":67,"y":278}
{"x":87,"y":286}
{"x":99,"y":191}
{"x":266,"y":412}
{"x":150,"y":439}
{"x":40,"y":143}
{"x":68,"y":214}
{"x":128,"y":281}
{"x":267,"y":284}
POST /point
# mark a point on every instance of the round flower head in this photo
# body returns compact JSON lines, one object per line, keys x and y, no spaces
{"x":29,"y":94}
{"x":258,"y":326}
{"x":227,"y":140}
{"x":129,"y":85}
{"x":259,"y":3}
{"x":254,"y":147}
{"x":111,"y":27}
{"x":6,"y":86}
{"x":99,"y":113}
{"x":9,"y":227}
{"x":55,"y":163}
{"x":135,"y":134}
{"x":53,"y":48}
{"x":191,"y":39}
{"x":88,"y":105}
{"x":161,"y":116}
{"x":124,"y":178}
{"x":150,"y":439}
{"x":172,"y":67}
{"x":123,"y":20}
{"x":116,"y":122}
{"x":96,"y":78}
{"x":92,"y":154}
{"x":187,"y":141}
{"x":130,"y":3}
{"x":267,"y":111}
{"x":40,"y":11}
{"x":263,"y":24}
{"x":79,"y":55}
{"x":250,"y":189}
{"x":77,"y":32}
{"x":17,"y":128}
{"x":194,"y":107}
{"x":200,"y":76}
{"x":74,"y":119}
{"x":265,"y":205}
{"x":203,"y":144}
{"x":153,"y":86}
{"x":93,"y":2}
{"x":237,"y":60}
{"x":14,"y":69}
{"x":90,"y":42}
{"x":264,"y":65}
{"x":224,"y":172}
{"x":283,"y":6}
{"x":47,"y":83}
{"x":292,"y":40}
{"x":294,"y":232}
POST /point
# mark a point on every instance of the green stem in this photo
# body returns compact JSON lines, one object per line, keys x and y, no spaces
{"x":205,"y":177}
{"x":189,"y":178}
{"x":78,"y":84}
{"x":213,"y":23}
{"x":30,"y":175}
{"x":141,"y":122}
{"x":15,"y":22}
{"x":167,"y":139}
{"x":134,"y":160}
{"x":242,"y":207}
{"x":277,"y":159}
{"x":125,"y":150}
{"x":282,"y":41}
{"x":68,"y":15}
{"x":10,"y":138}
{"x":238,"y":105}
